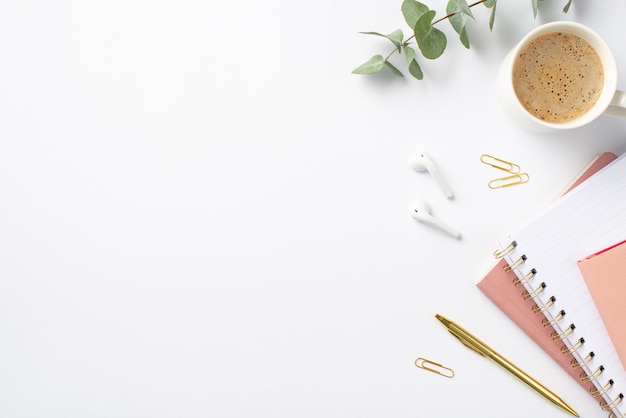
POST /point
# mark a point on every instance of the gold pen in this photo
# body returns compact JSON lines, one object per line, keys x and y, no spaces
{"x":483,"y":349}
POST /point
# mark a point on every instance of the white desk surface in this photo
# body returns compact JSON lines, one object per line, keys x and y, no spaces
{"x":205,"y":214}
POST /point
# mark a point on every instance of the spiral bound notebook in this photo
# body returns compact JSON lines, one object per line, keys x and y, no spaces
{"x":543,"y":256}
{"x":498,"y":284}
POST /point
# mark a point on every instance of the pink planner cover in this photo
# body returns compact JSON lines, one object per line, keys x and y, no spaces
{"x":605,"y":276}
{"x":498,"y":285}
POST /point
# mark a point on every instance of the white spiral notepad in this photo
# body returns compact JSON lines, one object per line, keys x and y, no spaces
{"x":544,"y":253}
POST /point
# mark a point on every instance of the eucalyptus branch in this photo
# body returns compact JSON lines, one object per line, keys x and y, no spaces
{"x":448,"y":16}
{"x":431,"y":41}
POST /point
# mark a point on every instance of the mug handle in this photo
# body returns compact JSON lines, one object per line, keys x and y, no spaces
{"x":617,"y":107}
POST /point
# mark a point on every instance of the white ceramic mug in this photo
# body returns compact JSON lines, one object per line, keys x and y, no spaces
{"x":610,"y":100}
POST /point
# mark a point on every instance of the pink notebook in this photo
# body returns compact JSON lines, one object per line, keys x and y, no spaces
{"x":605,"y":276}
{"x":499,"y":286}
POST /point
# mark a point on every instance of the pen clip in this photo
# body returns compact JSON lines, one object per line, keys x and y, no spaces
{"x":467,"y":344}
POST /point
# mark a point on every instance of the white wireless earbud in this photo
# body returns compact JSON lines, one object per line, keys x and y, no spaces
{"x":421,"y":162}
{"x":421,"y":211}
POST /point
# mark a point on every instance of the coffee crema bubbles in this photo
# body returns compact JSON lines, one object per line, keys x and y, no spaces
{"x":558,"y":77}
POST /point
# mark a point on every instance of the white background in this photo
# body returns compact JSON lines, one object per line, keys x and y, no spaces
{"x":203,"y":213}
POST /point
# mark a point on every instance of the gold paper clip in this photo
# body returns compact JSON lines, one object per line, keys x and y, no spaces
{"x":509,"y":181}
{"x":500,"y":164}
{"x":426,"y":364}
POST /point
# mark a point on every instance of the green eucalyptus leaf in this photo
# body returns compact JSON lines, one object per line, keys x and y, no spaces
{"x":492,"y":18}
{"x":412,"y":11}
{"x":464,"y":39}
{"x":457,"y":20}
{"x":534,"y":8}
{"x":409,"y":53}
{"x":414,"y":68}
{"x":372,"y":66}
{"x":566,"y":8}
{"x":393,"y":69}
{"x":489,"y":3}
{"x":395,"y":37}
{"x":459,"y":11}
{"x":432,"y":42}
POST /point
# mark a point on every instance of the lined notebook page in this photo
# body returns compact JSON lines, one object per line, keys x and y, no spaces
{"x":586,"y":220}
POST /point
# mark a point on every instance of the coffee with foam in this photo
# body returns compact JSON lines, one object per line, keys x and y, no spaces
{"x":558,"y":77}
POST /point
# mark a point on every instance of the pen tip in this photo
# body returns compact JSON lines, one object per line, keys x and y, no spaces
{"x":570,"y":410}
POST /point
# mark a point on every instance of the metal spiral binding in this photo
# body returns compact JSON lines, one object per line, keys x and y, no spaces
{"x":604,"y":389}
{"x":578,"y":364}
{"x":516,"y":264}
{"x":501,"y":253}
{"x":526,"y":278}
{"x":575,"y":347}
{"x":606,"y":406}
{"x":612,"y":415}
{"x":568,"y":331}
{"x":549,"y":323}
{"x":544,"y":307}
{"x":584,"y":377}
{"x":529,"y":295}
